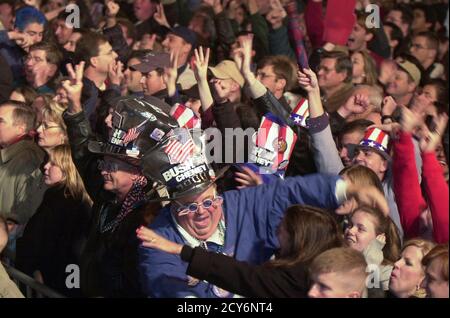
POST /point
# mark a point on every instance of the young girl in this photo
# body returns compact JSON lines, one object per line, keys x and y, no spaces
{"x":376,"y":236}
{"x":54,"y":236}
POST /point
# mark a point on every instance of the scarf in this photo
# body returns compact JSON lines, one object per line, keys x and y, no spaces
{"x":134,"y":196}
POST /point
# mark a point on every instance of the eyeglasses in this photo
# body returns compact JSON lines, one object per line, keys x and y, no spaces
{"x":36,"y":59}
{"x":194,"y":206}
{"x":45,"y":127}
{"x":264,"y":75}
{"x":418,"y":46}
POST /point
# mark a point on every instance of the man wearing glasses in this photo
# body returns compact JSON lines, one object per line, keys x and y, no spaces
{"x":42,"y":67}
{"x":114,"y":180}
{"x":101,"y":64}
{"x":242,"y":224}
{"x":28,"y":29}
{"x":425,"y":47}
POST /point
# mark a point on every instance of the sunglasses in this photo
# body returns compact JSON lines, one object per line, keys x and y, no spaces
{"x":194,"y":206}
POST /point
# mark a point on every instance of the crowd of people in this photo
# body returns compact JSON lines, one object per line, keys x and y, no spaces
{"x":106,"y":114}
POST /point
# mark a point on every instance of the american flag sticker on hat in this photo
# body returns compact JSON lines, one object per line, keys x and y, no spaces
{"x":179,"y":148}
{"x":185,"y":116}
{"x":157,"y":134}
{"x":301,"y":113}
{"x":133,"y":133}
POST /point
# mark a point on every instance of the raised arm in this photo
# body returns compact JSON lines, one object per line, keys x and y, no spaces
{"x":326,"y":155}
{"x":408,"y":194}
{"x":436,"y":188}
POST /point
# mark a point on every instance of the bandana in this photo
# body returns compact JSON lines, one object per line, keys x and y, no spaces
{"x":134,"y":196}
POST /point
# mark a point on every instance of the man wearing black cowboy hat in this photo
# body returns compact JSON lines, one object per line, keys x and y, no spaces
{"x":115,"y":182}
{"x":241,"y":223}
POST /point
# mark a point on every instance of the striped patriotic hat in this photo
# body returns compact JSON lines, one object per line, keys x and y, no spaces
{"x":301,"y":113}
{"x":273,"y":145}
{"x":376,"y":139}
{"x":185,"y":116}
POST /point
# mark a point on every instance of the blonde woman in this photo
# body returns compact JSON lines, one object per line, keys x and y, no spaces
{"x":55,"y":235}
{"x":409,"y":272}
{"x":52,"y":130}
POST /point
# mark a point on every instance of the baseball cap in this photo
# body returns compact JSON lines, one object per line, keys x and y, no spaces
{"x":227,"y":69}
{"x":411,"y":69}
{"x":186,"y":34}
{"x":151,"y":61}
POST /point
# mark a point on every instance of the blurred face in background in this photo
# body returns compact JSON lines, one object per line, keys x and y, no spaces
{"x":434,"y":283}
{"x":62,"y":31}
{"x":358,"y":68}
{"x":133,"y":77}
{"x":71,"y":44}
{"x":143,"y":9}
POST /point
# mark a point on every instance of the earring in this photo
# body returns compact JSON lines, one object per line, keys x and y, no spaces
{"x":420,"y":292}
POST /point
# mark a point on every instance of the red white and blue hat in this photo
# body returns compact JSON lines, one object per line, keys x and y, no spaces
{"x":378,"y":140}
{"x":301,"y":113}
{"x":272,"y":145}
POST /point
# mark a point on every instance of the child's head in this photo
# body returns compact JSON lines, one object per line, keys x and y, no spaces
{"x":338,"y":273}
{"x":366,"y":223}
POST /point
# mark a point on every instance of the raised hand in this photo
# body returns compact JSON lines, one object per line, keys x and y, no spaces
{"x":276,"y":14}
{"x":308,"y":81}
{"x":247,"y":178}
{"x":150,"y":239}
{"x":246,"y":43}
{"x":278,"y":7}
{"x":389,"y":106}
{"x":409,"y":120}
{"x":115,"y":73}
{"x":147,"y":42}
{"x":238,"y":57}
{"x":430,"y":140}
{"x":22,"y":39}
{"x":160,"y":16}
{"x":201,"y":64}
{"x":368,"y":195}
{"x":356,"y":104}
{"x":392,"y":127}
{"x":171,"y":73}
{"x":74,"y":86}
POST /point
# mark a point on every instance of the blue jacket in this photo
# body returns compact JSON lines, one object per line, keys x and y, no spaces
{"x":13,"y":55}
{"x":251,"y":216}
